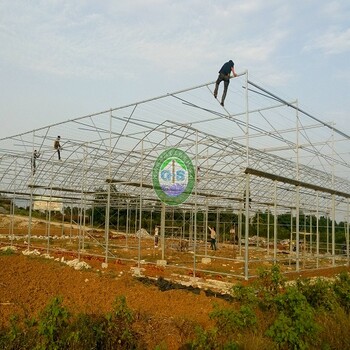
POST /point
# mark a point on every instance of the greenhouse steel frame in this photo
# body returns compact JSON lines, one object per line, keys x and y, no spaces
{"x":287,"y":160}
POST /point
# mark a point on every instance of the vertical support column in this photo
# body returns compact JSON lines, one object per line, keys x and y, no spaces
{"x":333,"y":229}
{"x":108,"y":204}
{"x":107,"y":220}
{"x":310,"y":241}
{"x":297,"y":216}
{"x":223,"y":239}
{"x":32,"y":173}
{"x":82,"y":219}
{"x":71,"y":222}
{"x":247,"y":184}
{"x":92,"y":214}
{"x":127,"y":223}
{"x":217,"y":225}
{"x":347,"y":236}
{"x":195,"y":209}
{"x":184,"y":224}
{"x":49,"y":226}
{"x":140,"y":216}
{"x":240,"y":229}
{"x":257,"y":227}
{"x":173,"y":222}
{"x":297,"y":194}
{"x":275,"y":225}
{"x":317,"y":233}
{"x":162,"y":230}
{"x":13,"y":206}
{"x":79,"y":227}
{"x":327,"y":243}
{"x":206,"y":230}
{"x":62,"y":225}
{"x":12,"y":212}
{"x":49,"y":212}
{"x":118,"y":214}
{"x":333,"y":201}
{"x":30,"y":219}
{"x":268,"y":231}
{"x":246,"y":239}
{"x":291,"y":233}
{"x":151,"y":221}
{"x":304,"y":240}
{"x":191,"y":228}
{"x":247,"y":119}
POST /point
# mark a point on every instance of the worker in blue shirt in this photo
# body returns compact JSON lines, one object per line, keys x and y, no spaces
{"x":224,"y":75}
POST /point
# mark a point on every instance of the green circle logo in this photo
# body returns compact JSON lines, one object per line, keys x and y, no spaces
{"x":173,"y":176}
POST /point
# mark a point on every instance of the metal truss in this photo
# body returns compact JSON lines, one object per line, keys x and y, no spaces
{"x":257,"y":133}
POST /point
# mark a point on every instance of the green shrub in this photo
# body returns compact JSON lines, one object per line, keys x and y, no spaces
{"x":229,"y":321}
{"x":341,"y":287}
{"x":319,"y":293}
{"x":208,"y":340}
{"x":269,"y":284}
{"x":18,"y":336}
{"x":270,"y":281}
{"x":244,"y":294}
{"x":57,"y":329}
{"x":335,"y":330}
{"x":52,"y":326}
{"x":294,"y":326}
{"x":117,"y":327}
{"x":228,"y":324}
{"x":85,"y":332}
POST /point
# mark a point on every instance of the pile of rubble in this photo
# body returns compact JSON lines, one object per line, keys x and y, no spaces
{"x":75,"y":263}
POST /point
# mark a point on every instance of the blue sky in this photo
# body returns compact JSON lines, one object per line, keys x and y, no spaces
{"x":64,"y":59}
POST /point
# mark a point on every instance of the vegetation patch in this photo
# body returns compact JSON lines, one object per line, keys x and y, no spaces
{"x":268,"y":314}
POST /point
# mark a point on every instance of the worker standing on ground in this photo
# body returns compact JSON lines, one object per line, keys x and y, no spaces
{"x":224,"y":75}
{"x":58,"y":147}
{"x":156,"y":237}
{"x":233,"y":234}
{"x":212,"y":237}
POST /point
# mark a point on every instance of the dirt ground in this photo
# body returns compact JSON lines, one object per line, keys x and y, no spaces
{"x":28,"y":283}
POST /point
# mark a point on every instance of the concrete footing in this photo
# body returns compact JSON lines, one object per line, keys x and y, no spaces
{"x":206,"y":260}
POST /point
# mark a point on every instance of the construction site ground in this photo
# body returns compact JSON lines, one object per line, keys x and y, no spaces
{"x":163,"y":315}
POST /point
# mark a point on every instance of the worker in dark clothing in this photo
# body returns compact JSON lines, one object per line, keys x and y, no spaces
{"x":224,"y":75}
{"x":212,"y":237}
{"x":35,"y":156}
{"x":57,"y":147}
